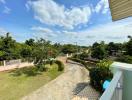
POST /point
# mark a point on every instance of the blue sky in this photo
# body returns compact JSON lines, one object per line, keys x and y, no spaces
{"x":63,"y":21}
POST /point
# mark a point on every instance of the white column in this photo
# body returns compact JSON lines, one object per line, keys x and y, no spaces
{"x":4,"y":63}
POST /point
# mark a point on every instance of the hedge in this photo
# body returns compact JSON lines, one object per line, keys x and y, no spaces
{"x":87,"y":64}
{"x":79,"y":61}
{"x":60,"y":65}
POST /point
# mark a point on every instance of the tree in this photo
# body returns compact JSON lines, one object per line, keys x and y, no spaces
{"x":95,"y":45}
{"x":114,"y":47}
{"x":129,"y":47}
{"x":83,"y":55}
{"x":41,"y":53}
{"x":68,"y":48}
{"x":30,"y":42}
{"x":99,"y":51}
{"x":26,"y":51}
{"x":7,"y":47}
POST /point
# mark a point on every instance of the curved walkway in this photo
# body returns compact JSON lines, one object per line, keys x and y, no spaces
{"x":64,"y":87}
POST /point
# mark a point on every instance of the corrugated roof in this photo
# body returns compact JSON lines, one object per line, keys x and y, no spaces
{"x":120,"y":9}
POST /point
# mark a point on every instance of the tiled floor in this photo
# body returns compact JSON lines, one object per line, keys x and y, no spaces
{"x":88,"y":93}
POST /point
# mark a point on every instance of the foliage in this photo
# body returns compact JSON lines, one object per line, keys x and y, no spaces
{"x":125,"y":58}
{"x":129,"y":47}
{"x":26,"y":51}
{"x":30,"y":42}
{"x":60,"y":65}
{"x":81,"y":56}
{"x":40,"y":53}
{"x":69,"y":49}
{"x":31,"y":49}
{"x":99,"y":74}
{"x":7,"y":47}
{"x":41,"y":50}
{"x":113,"y":47}
{"x":99,"y":51}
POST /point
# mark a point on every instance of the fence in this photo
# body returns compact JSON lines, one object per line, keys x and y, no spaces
{"x":12,"y":64}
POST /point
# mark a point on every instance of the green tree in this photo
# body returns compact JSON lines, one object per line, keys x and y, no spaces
{"x":129,"y":47}
{"x":26,"y":51}
{"x":30,"y":42}
{"x":114,"y":47}
{"x":41,"y":53}
{"x":7,"y":47}
{"x":69,"y":49}
{"x":99,"y":50}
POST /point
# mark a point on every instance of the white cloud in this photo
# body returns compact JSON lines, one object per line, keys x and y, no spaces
{"x":41,"y":29}
{"x":102,"y":6}
{"x":2,"y":1}
{"x":113,"y":31}
{"x":70,"y":33}
{"x":6,"y":10}
{"x":51,"y":13}
{"x":115,"y":37}
{"x":43,"y":32}
{"x":90,"y":36}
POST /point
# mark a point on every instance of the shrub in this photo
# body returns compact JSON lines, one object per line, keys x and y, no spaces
{"x":60,"y":65}
{"x":41,"y":67}
{"x":28,"y":71}
{"x":99,"y":74}
{"x":83,"y":56}
{"x":51,"y":62}
{"x":125,"y":58}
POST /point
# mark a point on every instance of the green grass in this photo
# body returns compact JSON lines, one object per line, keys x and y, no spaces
{"x":13,"y":87}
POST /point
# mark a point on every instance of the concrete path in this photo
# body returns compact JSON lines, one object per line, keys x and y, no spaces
{"x":63,"y":87}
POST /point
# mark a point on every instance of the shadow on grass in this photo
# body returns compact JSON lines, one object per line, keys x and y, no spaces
{"x":28,"y":71}
{"x":79,"y":87}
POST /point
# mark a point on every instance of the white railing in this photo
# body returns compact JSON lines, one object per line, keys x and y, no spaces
{"x":114,"y":91}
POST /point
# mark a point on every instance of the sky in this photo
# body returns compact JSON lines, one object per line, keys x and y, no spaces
{"x":62,"y":21}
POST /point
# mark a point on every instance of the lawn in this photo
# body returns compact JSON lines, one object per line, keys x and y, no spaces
{"x":14,"y":85}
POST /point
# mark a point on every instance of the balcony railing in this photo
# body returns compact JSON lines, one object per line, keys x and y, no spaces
{"x":114,"y":91}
